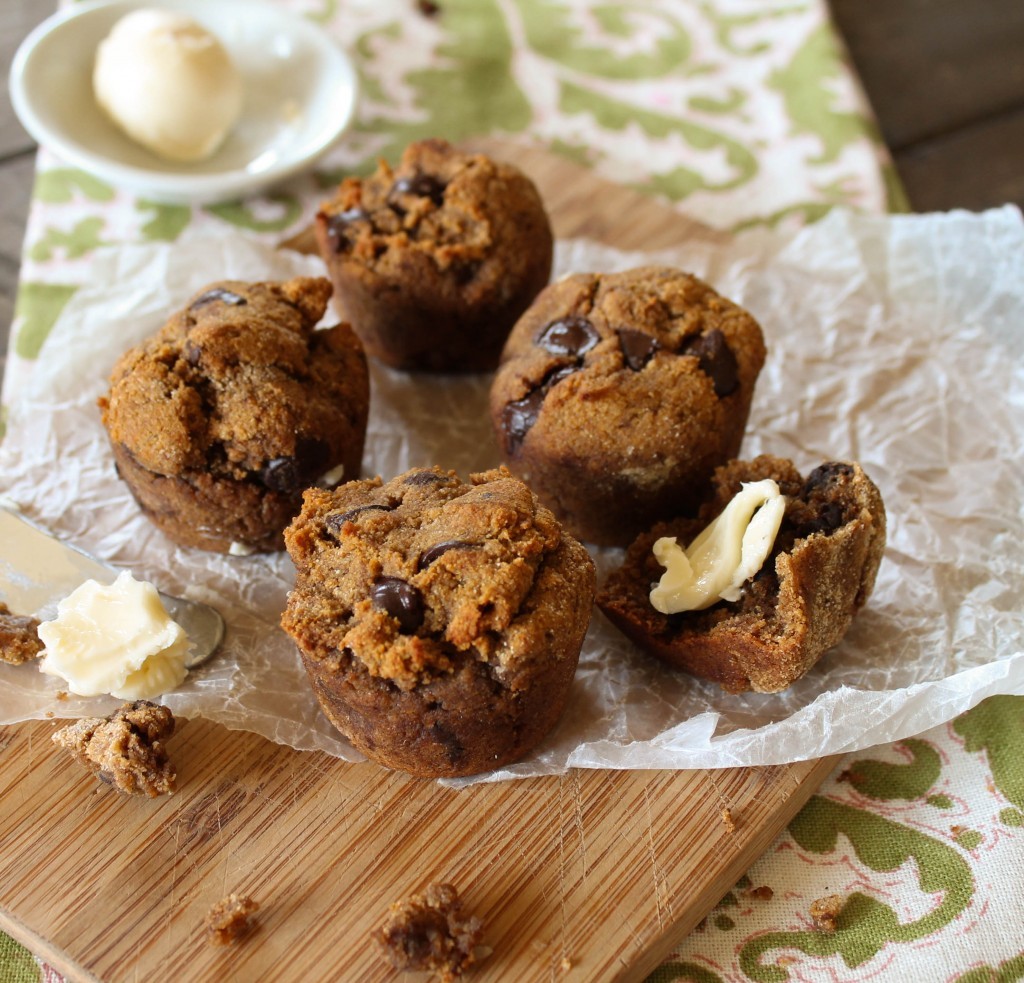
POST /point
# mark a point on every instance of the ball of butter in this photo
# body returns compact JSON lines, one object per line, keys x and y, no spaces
{"x":115,"y":639}
{"x":168,"y":83}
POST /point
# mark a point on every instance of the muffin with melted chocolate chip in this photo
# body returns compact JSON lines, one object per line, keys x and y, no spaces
{"x":221,"y":419}
{"x":434,"y":261}
{"x":440,"y":623}
{"x":619,"y":394}
{"x":818,"y":575}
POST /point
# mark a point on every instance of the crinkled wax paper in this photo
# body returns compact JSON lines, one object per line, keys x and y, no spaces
{"x":895,"y":341}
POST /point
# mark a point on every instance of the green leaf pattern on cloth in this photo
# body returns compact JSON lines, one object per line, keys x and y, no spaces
{"x":167,"y":221}
{"x":38,"y":306}
{"x":923,"y":840}
{"x":997,"y":728}
{"x":60,"y":183}
{"x":17,"y":964}
{"x":881,"y":780}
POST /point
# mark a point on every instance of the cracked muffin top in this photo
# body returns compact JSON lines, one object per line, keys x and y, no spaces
{"x":409,"y":576}
{"x":618,"y":394}
{"x":238,"y":385}
{"x":461,"y":211}
{"x":819,"y":574}
{"x":651,"y":342}
{"x":433,"y":261}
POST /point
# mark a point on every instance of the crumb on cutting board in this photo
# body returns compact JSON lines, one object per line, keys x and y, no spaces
{"x":825,"y":912}
{"x":431,"y":931}
{"x":126,"y":749}
{"x":230,"y":919}
{"x":19,"y":642}
{"x":727,"y":821}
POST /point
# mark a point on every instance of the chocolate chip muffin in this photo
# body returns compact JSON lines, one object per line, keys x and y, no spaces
{"x":818,"y":575}
{"x":432,"y":262}
{"x":440,"y":622}
{"x":619,"y":394}
{"x":220,"y":420}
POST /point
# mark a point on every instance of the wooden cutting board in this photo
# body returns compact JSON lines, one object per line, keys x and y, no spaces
{"x":592,"y":876}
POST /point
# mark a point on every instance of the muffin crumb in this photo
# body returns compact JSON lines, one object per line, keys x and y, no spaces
{"x":229,"y":919}
{"x":728,"y":822}
{"x":126,"y":749}
{"x":430,"y":931}
{"x":825,"y":912}
{"x":19,"y":642}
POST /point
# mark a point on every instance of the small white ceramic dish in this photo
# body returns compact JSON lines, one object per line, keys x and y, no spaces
{"x":300,"y":94}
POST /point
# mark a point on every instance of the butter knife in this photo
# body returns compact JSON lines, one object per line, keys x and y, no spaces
{"x":37,"y":570}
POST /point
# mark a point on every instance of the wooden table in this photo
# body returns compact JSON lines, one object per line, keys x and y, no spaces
{"x":945,"y":78}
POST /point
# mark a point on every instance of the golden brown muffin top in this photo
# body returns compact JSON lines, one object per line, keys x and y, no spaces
{"x":238,"y":384}
{"x":406,"y":574}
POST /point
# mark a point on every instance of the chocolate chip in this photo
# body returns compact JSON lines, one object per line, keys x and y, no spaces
{"x":399,"y":599}
{"x":428,"y":8}
{"x":426,"y":478}
{"x":218,"y":293}
{"x":430,"y":555}
{"x":568,"y":336}
{"x":715,"y":359}
{"x":291,"y":474}
{"x":521,"y":414}
{"x":421,"y":185}
{"x":637,"y":347}
{"x":824,"y":475}
{"x":453,"y":748}
{"x":337,"y":224}
{"x":828,"y":519}
{"x":466,"y":273}
{"x":335,"y":520}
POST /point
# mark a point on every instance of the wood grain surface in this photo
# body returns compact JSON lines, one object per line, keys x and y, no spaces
{"x":591,"y":876}
{"x":946,"y":81}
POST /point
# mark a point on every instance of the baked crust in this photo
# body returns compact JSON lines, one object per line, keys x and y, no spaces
{"x":221,"y":419}
{"x":819,"y":575}
{"x":619,"y":394}
{"x":440,"y":623}
{"x":434,"y":261}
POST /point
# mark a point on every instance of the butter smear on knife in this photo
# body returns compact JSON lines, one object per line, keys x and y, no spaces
{"x":116,"y":639}
{"x":724,"y":556}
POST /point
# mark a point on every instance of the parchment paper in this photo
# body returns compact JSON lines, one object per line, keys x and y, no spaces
{"x":895,"y":341}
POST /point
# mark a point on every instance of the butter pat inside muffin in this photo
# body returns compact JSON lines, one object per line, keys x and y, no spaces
{"x":728,"y":552}
{"x":818,"y":574}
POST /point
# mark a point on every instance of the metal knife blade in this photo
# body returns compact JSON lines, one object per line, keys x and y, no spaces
{"x":37,"y":570}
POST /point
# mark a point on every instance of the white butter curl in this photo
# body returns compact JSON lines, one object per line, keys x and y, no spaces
{"x":115,"y":639}
{"x":725,"y":555}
